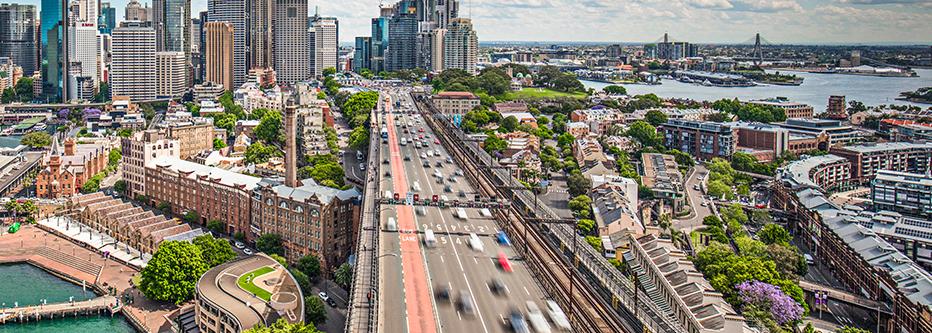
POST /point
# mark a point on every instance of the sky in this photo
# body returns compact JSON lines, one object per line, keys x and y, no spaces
{"x":699,"y":21}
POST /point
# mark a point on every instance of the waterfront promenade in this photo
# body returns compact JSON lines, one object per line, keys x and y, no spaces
{"x":68,"y":260}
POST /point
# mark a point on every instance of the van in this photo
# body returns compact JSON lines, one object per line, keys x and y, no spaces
{"x":809,"y":260}
{"x":429,"y":239}
{"x":474,"y":242}
{"x":461,"y":213}
{"x":392,"y":225}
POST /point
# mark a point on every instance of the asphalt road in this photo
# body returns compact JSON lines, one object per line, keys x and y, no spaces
{"x":696,"y":198}
{"x":452,"y":263}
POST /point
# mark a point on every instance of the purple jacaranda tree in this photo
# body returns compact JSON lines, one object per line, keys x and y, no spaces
{"x":63,"y":113}
{"x":767,"y":296}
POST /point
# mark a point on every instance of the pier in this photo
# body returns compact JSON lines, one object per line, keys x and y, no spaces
{"x":100,"y":305}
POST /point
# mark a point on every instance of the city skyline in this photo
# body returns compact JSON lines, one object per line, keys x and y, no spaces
{"x":699,"y":21}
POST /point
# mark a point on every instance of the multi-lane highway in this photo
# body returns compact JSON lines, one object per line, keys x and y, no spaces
{"x":423,"y":287}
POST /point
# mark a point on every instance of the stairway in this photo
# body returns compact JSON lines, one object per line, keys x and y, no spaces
{"x":70,"y":261}
{"x":646,"y":285}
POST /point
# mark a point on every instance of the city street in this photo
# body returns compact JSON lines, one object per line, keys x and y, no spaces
{"x":696,"y":198}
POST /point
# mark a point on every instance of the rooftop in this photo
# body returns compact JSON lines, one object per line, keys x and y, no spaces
{"x":798,"y":172}
{"x":214,"y":174}
{"x":887,"y":146}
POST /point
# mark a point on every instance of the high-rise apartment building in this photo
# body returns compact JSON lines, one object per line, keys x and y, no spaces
{"x":18,"y":35}
{"x":437,"y":49}
{"x":325,"y":51}
{"x":197,"y":64}
{"x":235,"y":12}
{"x":84,"y":57}
{"x":132,"y":72}
{"x":171,"y":74}
{"x":460,"y":46}
{"x":218,"y":54}
{"x":107,"y":20}
{"x":261,"y":28}
{"x":290,"y":43}
{"x":134,"y":11}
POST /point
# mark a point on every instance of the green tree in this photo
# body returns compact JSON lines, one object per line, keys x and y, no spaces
{"x":103,"y":93}
{"x":510,"y":123}
{"x":329,"y":71}
{"x":310,"y":266}
{"x":219,"y":144}
{"x":214,"y":251}
{"x":216,"y":226}
{"x":260,"y":153}
{"x":114,"y":157}
{"x":123,"y":132}
{"x":270,"y":243}
{"x":615,"y":90}
{"x":655,"y":117}
{"x":36,"y":140}
{"x":644,"y":133}
{"x":595,"y":242}
{"x":281,"y":260}
{"x":712,"y":221}
{"x":282,"y":326}
{"x":192,"y":217}
{"x":717,"y":189}
{"x":585,"y":226}
{"x":343,"y":276}
{"x":359,"y":138}
{"x":578,"y":184}
{"x":493,"y":144}
{"x":303,"y":281}
{"x":120,"y":186}
{"x":314,"y":310}
{"x":733,"y":212}
{"x":849,"y":329}
{"x":270,"y":128}
{"x":172,"y":272}
{"x":774,"y":234}
{"x":580,"y":203}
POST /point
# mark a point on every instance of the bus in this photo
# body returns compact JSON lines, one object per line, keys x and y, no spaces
{"x":384,"y":132}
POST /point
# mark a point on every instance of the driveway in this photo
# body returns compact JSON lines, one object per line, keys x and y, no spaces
{"x":694,"y":221}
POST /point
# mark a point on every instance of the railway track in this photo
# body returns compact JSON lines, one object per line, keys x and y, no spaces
{"x":585,"y":308}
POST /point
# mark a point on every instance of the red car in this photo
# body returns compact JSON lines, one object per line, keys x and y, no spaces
{"x":503,"y":262}
{"x":420,"y":136}
{"x":420,"y":129}
{"x":436,"y":142}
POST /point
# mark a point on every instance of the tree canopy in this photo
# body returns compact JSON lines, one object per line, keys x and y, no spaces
{"x":615,"y":90}
{"x":282,"y":326}
{"x":36,"y":140}
{"x":270,"y":243}
{"x":172,"y":272}
{"x":214,"y":251}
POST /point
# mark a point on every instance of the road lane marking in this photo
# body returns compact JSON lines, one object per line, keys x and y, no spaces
{"x":526,"y":291}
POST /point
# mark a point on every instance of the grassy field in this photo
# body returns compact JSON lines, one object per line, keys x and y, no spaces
{"x":539,"y":93}
{"x":251,"y":287}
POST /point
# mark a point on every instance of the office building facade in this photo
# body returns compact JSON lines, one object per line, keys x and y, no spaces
{"x":263,"y":15}
{"x":18,"y":35}
{"x":902,"y":192}
{"x":290,"y":43}
{"x":84,"y":58}
{"x":362,"y":56}
{"x":460,"y":46}
{"x":134,"y":11}
{"x":218,"y":54}
{"x":171,"y":69}
{"x":133,"y":71}
{"x":324,"y":35}
{"x":402,"y":38}
{"x":234,"y":12}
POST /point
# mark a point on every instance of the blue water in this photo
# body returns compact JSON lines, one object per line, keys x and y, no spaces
{"x":28,"y":285}
{"x":815,"y":90}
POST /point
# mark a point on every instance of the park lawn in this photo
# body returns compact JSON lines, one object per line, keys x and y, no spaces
{"x":540,"y":93}
{"x":252,"y":287}
{"x":695,"y":238}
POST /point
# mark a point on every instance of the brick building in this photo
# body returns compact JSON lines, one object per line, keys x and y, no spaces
{"x":867,"y":159}
{"x":703,"y":140}
{"x":67,"y":169}
{"x":455,"y":102}
{"x":139,"y":149}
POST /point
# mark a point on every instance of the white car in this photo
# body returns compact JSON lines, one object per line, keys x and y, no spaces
{"x":558,"y":316}
{"x":323,"y":296}
{"x":536,"y":318}
{"x":239,"y":245}
{"x":248,"y":252}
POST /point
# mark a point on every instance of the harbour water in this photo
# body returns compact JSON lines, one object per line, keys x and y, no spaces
{"x":28,"y":285}
{"x":815,"y":90}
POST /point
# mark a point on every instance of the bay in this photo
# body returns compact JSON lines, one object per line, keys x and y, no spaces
{"x":815,"y":90}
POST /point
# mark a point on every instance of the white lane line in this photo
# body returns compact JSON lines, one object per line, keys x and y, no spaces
{"x":441,"y":260}
{"x":526,"y":292}
{"x":475,"y":260}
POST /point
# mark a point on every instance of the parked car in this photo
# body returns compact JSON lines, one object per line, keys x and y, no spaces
{"x":248,"y":252}
{"x":239,"y":245}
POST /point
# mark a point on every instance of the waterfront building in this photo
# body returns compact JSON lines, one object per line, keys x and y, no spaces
{"x":455,"y":102}
{"x":702,"y":140}
{"x":134,"y":11}
{"x":218,"y":54}
{"x":18,"y":36}
{"x":791,"y":109}
{"x":838,"y":133}
{"x":323,"y":38}
{"x":221,"y":306}
{"x":460,"y":46}
{"x":867,"y":159}
{"x":902,"y":192}
{"x":133,"y":72}
{"x":172,"y":72}
{"x":669,"y":273}
{"x":662,"y":175}
{"x":138,"y":150}
{"x":66,"y":169}
{"x":234,"y":12}
{"x":290,"y":41}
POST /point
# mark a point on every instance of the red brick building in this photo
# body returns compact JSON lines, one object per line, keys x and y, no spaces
{"x":67,"y":170}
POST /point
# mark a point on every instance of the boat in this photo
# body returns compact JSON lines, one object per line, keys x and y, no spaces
{"x":40,"y":127}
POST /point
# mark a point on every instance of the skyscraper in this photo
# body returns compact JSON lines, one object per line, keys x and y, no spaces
{"x":325,"y":46}
{"x":172,"y":22}
{"x":171,"y":74}
{"x":87,"y":11}
{"x":437,"y":49}
{"x":402,"y":37}
{"x":107,"y":20}
{"x":134,"y":11}
{"x":290,"y":41}
{"x":262,"y":15}
{"x":363,"y":55}
{"x":460,"y":46}
{"x":18,"y":35}
{"x":218,"y":53}
{"x":54,"y":19}
{"x":133,"y":66}
{"x":196,"y":54}
{"x":234,"y":12}
{"x":379,"y":40}
{"x":83,"y":57}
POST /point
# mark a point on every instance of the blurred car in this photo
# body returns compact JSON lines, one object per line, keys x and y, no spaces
{"x":503,"y":262}
{"x":497,"y":287}
{"x":536,"y":318}
{"x":465,"y":303}
{"x":248,"y":252}
{"x":503,"y":238}
{"x":239,"y":245}
{"x":558,"y":316}
{"x":443,"y":293}
{"x":516,"y":320}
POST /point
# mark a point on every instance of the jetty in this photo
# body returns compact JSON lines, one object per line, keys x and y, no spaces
{"x":101,"y":305}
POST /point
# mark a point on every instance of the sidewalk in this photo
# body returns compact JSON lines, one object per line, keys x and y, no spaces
{"x":102,"y":242}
